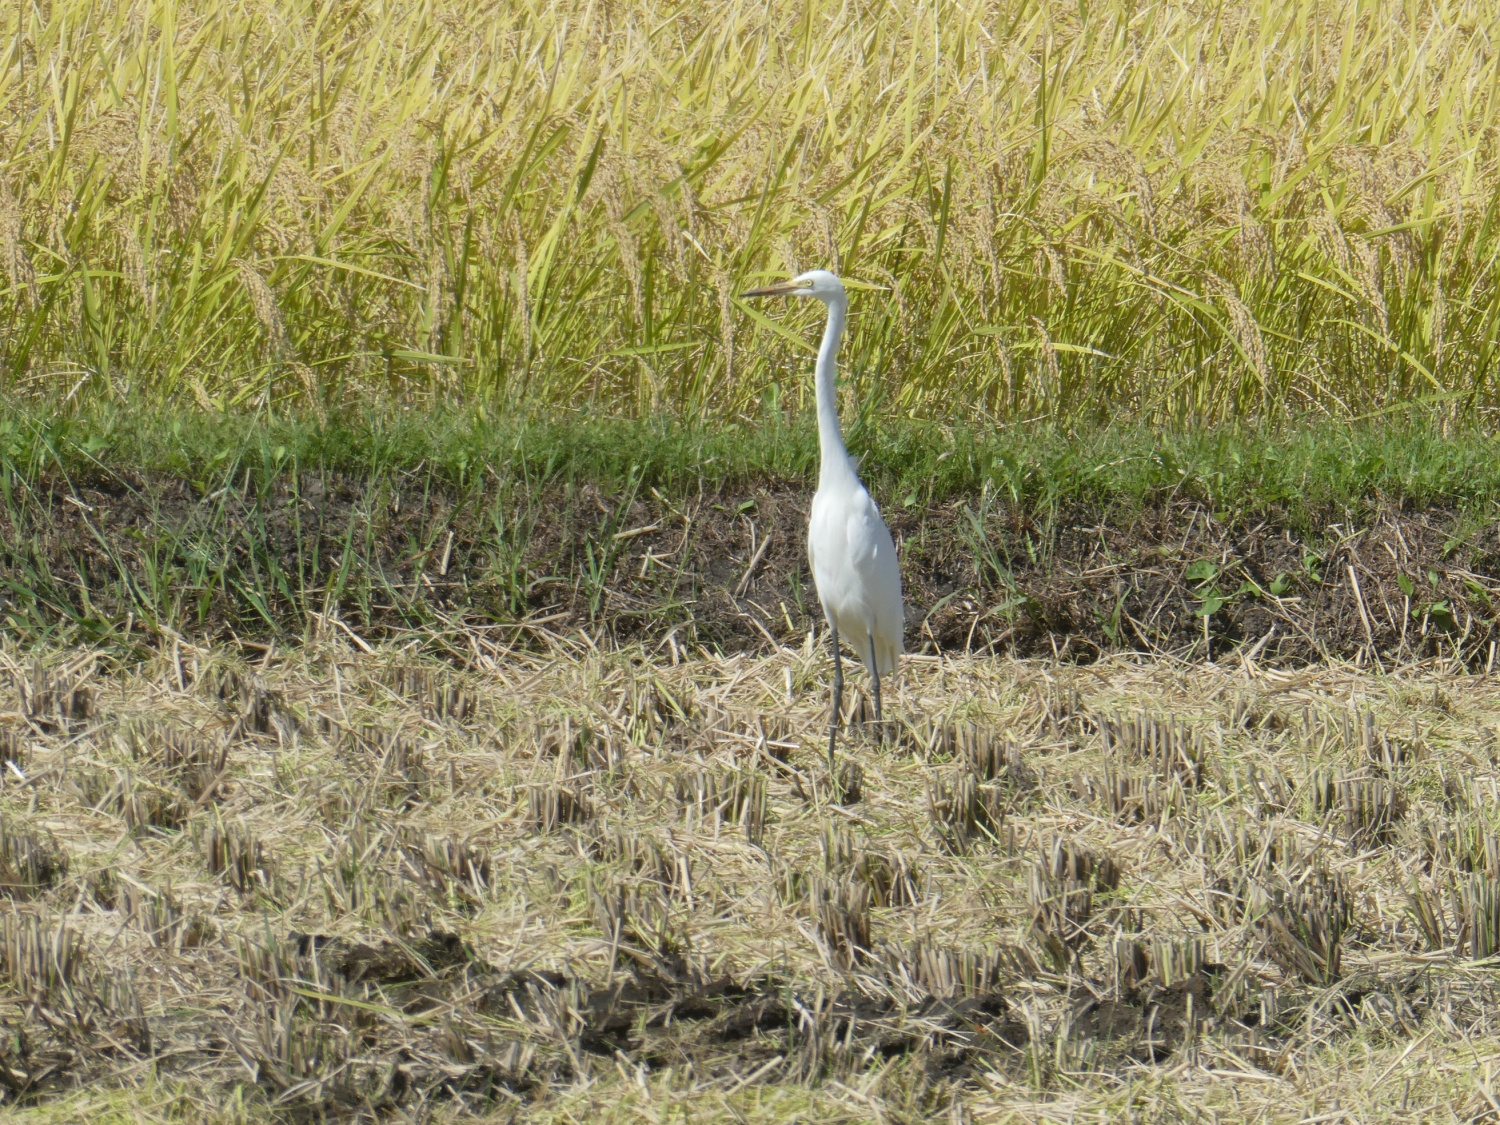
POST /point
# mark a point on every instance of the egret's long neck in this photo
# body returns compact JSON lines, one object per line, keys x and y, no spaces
{"x":830,"y":437}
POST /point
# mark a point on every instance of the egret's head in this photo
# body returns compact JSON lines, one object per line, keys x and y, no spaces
{"x":814,"y":283}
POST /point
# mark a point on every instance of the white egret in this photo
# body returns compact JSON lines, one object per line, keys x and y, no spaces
{"x":852,"y":556}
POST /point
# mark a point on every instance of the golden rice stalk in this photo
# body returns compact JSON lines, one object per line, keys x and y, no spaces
{"x":1254,"y":244}
{"x":200,"y":394}
{"x":437,"y":276}
{"x":920,"y":216}
{"x":133,"y":266}
{"x":1007,"y":370}
{"x":1243,"y":325}
{"x":726,"y":326}
{"x":1331,"y":235}
{"x":1369,"y":276}
{"x":523,"y":297}
{"x":1439,"y":321}
{"x":263,"y":301}
{"x":827,"y":229}
{"x":1049,"y":389}
{"x":18,"y":268}
{"x":1057,"y":276}
{"x":627,"y":246}
{"x":309,"y":381}
{"x":784,"y":254}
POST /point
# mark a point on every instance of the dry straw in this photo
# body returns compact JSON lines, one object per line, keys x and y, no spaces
{"x":1202,"y":883}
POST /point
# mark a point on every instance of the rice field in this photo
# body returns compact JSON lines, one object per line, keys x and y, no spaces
{"x":1175,"y":212}
{"x":342,"y":882}
{"x":411,"y":700}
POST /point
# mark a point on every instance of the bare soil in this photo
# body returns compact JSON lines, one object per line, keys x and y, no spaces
{"x":727,"y":571}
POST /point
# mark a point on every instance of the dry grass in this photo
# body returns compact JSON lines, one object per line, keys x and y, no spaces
{"x":566,"y":885}
{"x":1179,"y":211}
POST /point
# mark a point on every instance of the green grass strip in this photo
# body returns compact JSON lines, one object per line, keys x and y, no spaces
{"x":1298,"y":475}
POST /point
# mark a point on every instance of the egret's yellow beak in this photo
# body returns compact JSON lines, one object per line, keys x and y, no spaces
{"x":780,"y":289}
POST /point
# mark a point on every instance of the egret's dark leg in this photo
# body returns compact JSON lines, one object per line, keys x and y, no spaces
{"x":875,"y":678}
{"x":838,"y":701}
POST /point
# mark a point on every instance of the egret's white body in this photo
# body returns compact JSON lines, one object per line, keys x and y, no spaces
{"x":853,"y":558}
{"x":854,"y":567}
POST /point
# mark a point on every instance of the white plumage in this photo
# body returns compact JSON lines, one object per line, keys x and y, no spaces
{"x":854,"y":565}
{"x":853,"y":558}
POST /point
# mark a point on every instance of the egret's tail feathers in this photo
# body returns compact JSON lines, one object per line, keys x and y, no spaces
{"x":890,"y":658}
{"x":887,"y":655}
